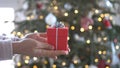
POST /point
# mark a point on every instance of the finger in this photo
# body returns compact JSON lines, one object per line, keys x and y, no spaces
{"x":41,"y":45}
{"x":43,"y":35}
{"x":41,"y":39}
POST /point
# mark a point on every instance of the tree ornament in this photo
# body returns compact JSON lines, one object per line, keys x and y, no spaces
{"x":68,"y":6}
{"x":50,"y":19}
{"x":85,"y":22}
{"x":107,"y":23}
{"x":39,"y":5}
{"x":25,"y":6}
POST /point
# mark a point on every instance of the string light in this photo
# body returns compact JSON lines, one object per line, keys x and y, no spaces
{"x":54,"y":66}
{"x":55,"y":7}
{"x":117,"y":47}
{"x":102,"y":15}
{"x":99,"y":39}
{"x":28,"y":18}
{"x":68,"y":38}
{"x":96,"y":11}
{"x":88,"y":41}
{"x":66,"y":14}
{"x":26,"y":61}
{"x":75,"y":61}
{"x":27,"y":57}
{"x":90,"y":27}
{"x":99,"y":52}
{"x":107,"y":67}
{"x":82,"y":29}
{"x":111,"y":18}
{"x":99,"y":28}
{"x":104,"y":52}
{"x":14,"y":33}
{"x":35,"y":66}
{"x":76,"y":11}
{"x":105,"y":38}
{"x":86,"y":66}
{"x":35,"y":31}
{"x":96,"y":60}
{"x":99,"y":19}
{"x":32,"y":16}
{"x":35,"y":58}
{"x":45,"y":62}
{"x":18,"y":33}
{"x":108,"y":61}
{"x":41,"y":16}
{"x":63,"y":63}
{"x":18,"y":64}
{"x":72,"y":27}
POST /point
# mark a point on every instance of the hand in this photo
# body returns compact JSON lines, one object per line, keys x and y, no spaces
{"x":32,"y":47}
{"x":42,"y":37}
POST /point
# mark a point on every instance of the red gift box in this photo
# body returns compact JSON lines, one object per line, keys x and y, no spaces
{"x":58,"y":37}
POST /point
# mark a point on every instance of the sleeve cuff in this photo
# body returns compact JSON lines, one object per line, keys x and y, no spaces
{"x":6,"y":50}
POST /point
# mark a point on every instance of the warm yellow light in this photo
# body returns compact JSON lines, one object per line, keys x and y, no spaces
{"x":68,"y":38}
{"x":76,"y":11}
{"x":96,"y":11}
{"x":75,"y":61}
{"x":14,"y":33}
{"x":45,"y":62}
{"x":102,"y":15}
{"x":54,"y":66}
{"x":35,"y":66}
{"x":26,"y":61}
{"x":105,"y":38}
{"x":86,"y":66}
{"x":104,"y":52}
{"x":18,"y":33}
{"x":27,"y":57}
{"x":90,"y":27}
{"x":55,"y":7}
{"x":41,"y":16}
{"x":117,"y":47}
{"x":72,"y":27}
{"x":66,"y":14}
{"x":32,"y":16}
{"x":96,"y":60}
{"x":35,"y":31}
{"x":108,"y":61}
{"x":88,"y":41}
{"x":28,"y":18}
{"x":99,"y":28}
{"x":99,"y":19}
{"x":82,"y":29}
{"x":47,"y":26}
{"x":18,"y":64}
{"x":107,"y":67}
{"x":35,"y":58}
{"x":100,"y":52}
{"x":111,"y":18}
{"x":107,"y":15}
{"x":99,"y":39}
{"x":63,"y":63}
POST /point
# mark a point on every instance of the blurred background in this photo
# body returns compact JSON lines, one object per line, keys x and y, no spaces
{"x":94,"y":30}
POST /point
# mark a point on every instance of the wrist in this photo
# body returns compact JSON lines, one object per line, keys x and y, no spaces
{"x":15,"y":46}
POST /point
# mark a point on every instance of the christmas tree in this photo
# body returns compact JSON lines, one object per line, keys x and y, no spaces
{"x":93,"y":31}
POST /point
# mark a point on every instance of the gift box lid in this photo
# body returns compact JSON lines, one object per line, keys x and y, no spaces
{"x":60,"y":31}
